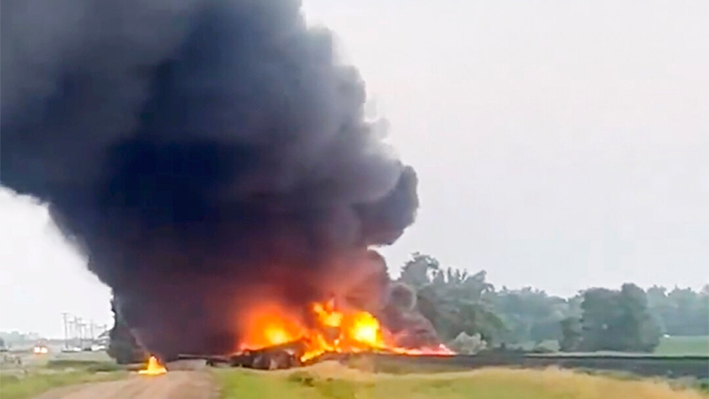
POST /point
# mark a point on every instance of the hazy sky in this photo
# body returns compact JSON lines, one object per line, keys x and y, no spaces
{"x":559,"y":144}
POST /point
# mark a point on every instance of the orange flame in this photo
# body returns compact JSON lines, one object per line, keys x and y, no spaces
{"x":153,"y":368}
{"x":334,"y":330}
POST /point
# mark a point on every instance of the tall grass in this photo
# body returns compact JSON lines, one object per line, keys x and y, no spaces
{"x":333,"y":381}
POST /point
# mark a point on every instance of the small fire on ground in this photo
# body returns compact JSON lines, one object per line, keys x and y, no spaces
{"x":153,"y":367}
{"x":331,"y":330}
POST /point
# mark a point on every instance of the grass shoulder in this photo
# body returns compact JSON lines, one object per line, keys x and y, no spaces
{"x":31,"y":382}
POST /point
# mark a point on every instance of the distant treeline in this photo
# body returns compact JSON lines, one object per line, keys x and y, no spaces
{"x":15,"y":337}
{"x":624,"y":319}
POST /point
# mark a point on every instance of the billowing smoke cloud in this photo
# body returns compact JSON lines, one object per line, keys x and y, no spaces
{"x":204,"y":154}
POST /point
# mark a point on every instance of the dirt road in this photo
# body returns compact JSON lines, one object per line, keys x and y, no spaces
{"x":173,"y":385}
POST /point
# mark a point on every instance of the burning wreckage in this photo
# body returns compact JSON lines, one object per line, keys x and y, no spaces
{"x":275,"y":341}
{"x":213,"y":161}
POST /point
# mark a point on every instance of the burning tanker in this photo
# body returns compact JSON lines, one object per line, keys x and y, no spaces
{"x":213,"y":161}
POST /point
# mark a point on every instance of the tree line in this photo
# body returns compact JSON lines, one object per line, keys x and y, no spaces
{"x":460,"y":305}
{"x":470,"y":314}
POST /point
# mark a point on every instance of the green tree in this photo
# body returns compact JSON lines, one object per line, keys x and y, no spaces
{"x":639,"y":329}
{"x":599,"y":309}
{"x":571,"y":334}
{"x":530,"y":314}
{"x":660,"y":306}
{"x":681,"y":311}
{"x":451,"y":299}
{"x":418,"y":271}
{"x":618,"y":320}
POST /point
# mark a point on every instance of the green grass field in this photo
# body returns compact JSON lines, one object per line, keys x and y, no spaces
{"x":670,"y":346}
{"x":42,"y":373}
{"x":679,"y":346}
{"x":27,"y":386}
{"x":333,"y":381}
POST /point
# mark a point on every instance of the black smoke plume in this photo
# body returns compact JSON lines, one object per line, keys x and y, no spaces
{"x":204,"y":154}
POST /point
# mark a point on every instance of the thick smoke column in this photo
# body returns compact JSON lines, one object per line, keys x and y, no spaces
{"x":203,"y":154}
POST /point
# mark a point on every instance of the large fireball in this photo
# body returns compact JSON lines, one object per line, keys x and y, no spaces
{"x":332,"y":330}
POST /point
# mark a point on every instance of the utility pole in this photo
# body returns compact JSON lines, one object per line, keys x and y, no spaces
{"x":77,"y":325}
{"x":66,"y":330}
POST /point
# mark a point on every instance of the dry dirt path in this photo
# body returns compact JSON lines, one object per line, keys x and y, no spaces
{"x":173,"y":385}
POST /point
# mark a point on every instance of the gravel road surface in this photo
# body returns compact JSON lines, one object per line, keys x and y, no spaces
{"x":173,"y":385}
